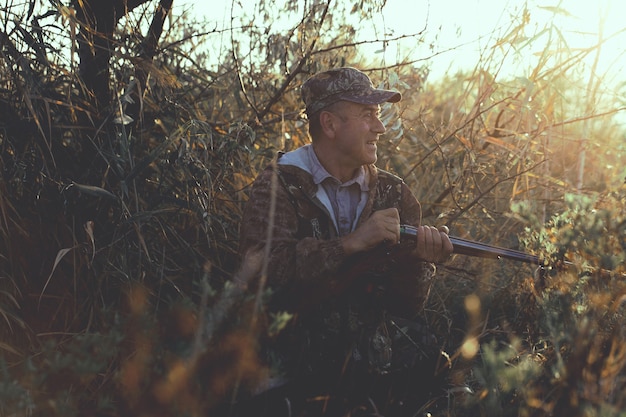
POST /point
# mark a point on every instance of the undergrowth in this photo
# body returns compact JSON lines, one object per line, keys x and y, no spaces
{"x":121,"y":290}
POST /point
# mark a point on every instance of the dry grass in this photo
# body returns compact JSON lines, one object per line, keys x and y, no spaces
{"x":120,"y":288}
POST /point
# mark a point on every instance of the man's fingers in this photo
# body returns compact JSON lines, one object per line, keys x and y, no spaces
{"x":436,"y":245}
{"x":392,"y":233}
{"x":423,"y":237}
{"x":433,"y":244}
{"x":388,"y":214}
{"x":389,"y":222}
{"x":448,"y":247}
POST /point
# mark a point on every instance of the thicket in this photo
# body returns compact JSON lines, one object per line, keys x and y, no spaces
{"x":127,"y":145}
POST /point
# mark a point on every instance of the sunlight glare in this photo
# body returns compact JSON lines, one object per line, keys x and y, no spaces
{"x":458,"y":32}
{"x":461,"y":31}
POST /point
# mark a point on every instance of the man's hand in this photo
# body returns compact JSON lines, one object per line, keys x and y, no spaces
{"x":382,"y":226}
{"x":433,"y":244}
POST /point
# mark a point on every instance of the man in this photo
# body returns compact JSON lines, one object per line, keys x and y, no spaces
{"x":331,"y":211}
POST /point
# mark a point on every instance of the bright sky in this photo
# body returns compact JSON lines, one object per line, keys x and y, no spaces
{"x":471,"y":26}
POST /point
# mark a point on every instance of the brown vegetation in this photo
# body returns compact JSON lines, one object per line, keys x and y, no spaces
{"x":125,"y":156}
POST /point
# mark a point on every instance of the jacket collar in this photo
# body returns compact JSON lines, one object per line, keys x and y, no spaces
{"x":294,"y":164}
{"x":306,"y":159}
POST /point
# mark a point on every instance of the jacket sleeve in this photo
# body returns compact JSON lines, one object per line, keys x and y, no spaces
{"x":410,"y":286}
{"x":291,"y":261}
{"x":410,"y":208}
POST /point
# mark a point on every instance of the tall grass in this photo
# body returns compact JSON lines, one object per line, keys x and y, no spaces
{"x":121,"y":291}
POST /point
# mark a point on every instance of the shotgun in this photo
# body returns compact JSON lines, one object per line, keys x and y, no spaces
{"x":387,"y":260}
{"x":471,"y":248}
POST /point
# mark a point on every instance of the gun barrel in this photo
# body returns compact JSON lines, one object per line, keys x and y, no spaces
{"x":472,"y":248}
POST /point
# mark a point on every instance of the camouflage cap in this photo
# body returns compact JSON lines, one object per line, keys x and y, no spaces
{"x":350,"y":84}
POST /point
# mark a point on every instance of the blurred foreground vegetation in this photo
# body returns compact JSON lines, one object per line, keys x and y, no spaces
{"x":126,"y":149}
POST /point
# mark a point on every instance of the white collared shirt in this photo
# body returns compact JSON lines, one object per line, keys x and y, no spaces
{"x":343,"y":201}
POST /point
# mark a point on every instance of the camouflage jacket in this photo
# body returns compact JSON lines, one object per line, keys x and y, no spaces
{"x":308,"y":268}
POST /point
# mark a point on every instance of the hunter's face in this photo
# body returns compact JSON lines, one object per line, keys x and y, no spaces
{"x":357,"y":133}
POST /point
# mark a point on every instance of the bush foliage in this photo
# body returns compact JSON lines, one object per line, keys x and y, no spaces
{"x":128,"y":141}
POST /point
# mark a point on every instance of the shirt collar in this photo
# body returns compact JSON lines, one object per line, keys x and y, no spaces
{"x":319,"y":173}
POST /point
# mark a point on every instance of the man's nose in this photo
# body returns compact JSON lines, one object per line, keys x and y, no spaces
{"x":379,"y":126}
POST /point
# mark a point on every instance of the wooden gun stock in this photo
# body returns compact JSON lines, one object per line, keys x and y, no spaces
{"x":472,"y":248}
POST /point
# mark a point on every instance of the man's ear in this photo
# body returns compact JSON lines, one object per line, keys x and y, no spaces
{"x":328,"y":123}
